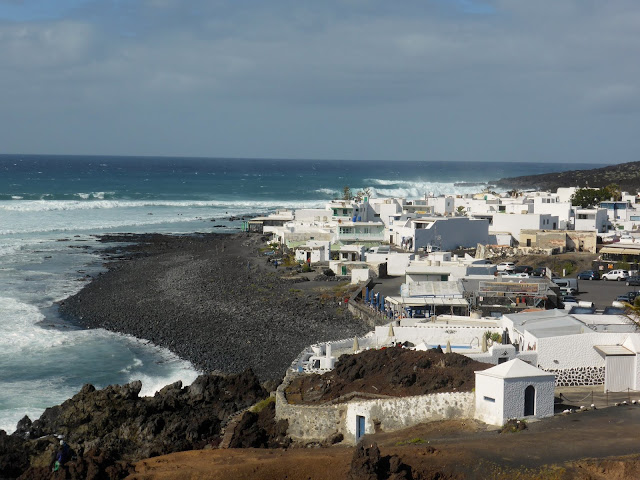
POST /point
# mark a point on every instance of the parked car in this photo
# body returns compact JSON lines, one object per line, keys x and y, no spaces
{"x":539,"y":272}
{"x":618,"y":275}
{"x":506,"y":267}
{"x":518,"y":275}
{"x":591,"y":275}
{"x":634,"y":280}
{"x":524,"y":269}
{"x":628,"y":297}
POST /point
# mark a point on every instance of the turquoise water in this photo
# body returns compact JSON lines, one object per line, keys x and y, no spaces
{"x":51,"y":208}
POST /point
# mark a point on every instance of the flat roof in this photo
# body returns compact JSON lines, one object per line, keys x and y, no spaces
{"x":603,"y":319}
{"x":431,"y":289}
{"x":422,"y":301}
{"x":613,"y":350}
{"x":556,"y":322}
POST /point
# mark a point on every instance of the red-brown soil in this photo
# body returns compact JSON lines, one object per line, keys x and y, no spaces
{"x":556,"y":448}
{"x":394,"y":372}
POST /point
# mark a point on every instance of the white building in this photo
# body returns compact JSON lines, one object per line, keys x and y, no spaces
{"x":591,"y":219}
{"x":577,"y":347}
{"x":313,"y":252}
{"x":514,"y":223}
{"x":442,"y":266}
{"x":513,"y":389}
{"x":443,"y":233}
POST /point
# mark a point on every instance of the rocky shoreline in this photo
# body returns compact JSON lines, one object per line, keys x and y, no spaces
{"x":213,"y":300}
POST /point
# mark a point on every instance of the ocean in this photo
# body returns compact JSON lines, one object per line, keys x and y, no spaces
{"x":53,"y":207}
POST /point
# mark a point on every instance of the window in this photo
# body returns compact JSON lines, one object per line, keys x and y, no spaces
{"x":489,"y":399}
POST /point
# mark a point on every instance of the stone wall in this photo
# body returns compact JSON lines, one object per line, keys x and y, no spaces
{"x":579,"y":376}
{"x":309,"y":423}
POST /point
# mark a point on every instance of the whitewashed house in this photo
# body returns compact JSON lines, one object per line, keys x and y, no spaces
{"x":591,"y":219}
{"x":444,"y":233}
{"x":313,"y":252}
{"x":515,"y":222}
{"x":513,"y":389}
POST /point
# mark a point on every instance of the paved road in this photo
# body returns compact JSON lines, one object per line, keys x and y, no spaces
{"x":601,"y":292}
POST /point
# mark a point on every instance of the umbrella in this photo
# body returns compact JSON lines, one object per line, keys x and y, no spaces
{"x":356,"y":347}
{"x":484,"y":343}
{"x":366,"y":298}
{"x":448,"y":350}
{"x":391,"y":333}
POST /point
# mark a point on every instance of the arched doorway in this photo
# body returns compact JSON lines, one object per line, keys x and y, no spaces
{"x":529,"y":401}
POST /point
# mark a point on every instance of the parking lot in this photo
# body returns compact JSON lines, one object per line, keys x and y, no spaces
{"x":601,"y":292}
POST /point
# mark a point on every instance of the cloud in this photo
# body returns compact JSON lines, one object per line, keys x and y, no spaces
{"x":445,"y":79}
{"x":617,"y":98}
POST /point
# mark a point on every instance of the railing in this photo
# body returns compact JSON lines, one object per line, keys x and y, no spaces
{"x":596,"y":398}
{"x":361,"y":236}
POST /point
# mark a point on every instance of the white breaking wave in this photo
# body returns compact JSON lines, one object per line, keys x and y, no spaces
{"x":63,"y":205}
{"x":328,"y":191}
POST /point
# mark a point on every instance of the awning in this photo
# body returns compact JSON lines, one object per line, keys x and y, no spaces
{"x":620,"y":251}
{"x":424,"y":301}
{"x":613,"y":350}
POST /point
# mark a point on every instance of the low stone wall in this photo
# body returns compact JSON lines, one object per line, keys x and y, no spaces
{"x":367,"y":314}
{"x":316,"y":423}
{"x":579,"y":376}
{"x":403,"y":412}
{"x":308,"y":423}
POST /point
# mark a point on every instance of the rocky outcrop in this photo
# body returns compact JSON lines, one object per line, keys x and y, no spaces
{"x":625,"y":175}
{"x":368,"y":464}
{"x":109,"y":429}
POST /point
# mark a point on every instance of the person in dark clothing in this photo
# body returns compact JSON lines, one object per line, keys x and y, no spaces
{"x":62,"y":455}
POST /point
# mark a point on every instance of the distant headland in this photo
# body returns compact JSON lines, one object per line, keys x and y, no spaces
{"x":625,"y":175}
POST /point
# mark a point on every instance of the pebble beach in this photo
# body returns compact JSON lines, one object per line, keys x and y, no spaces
{"x":212,"y":299}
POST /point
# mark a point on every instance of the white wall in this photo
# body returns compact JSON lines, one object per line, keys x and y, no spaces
{"x":397,"y":413}
{"x":514,"y":396}
{"x":508,"y":394}
{"x":397,"y":263}
{"x":514,"y":223}
{"x":360,"y":275}
{"x":312,"y":215}
{"x":486,"y":410}
{"x":437,"y":334}
{"x":452,"y":233}
{"x":599,"y":223}
{"x":561,"y":210}
{"x":570,"y":351}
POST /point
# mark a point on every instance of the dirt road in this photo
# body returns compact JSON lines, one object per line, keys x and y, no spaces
{"x":552,"y":448}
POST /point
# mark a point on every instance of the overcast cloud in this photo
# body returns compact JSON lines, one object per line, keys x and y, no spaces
{"x":543,"y":80}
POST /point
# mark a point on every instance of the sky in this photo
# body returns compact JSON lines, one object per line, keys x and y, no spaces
{"x":441,"y":80}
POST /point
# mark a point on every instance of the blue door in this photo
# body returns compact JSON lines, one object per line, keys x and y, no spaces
{"x":359,"y":427}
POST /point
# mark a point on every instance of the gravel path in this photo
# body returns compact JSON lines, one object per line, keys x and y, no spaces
{"x":212,"y":300}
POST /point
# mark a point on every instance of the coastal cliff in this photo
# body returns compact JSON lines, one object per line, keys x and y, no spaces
{"x":625,"y":175}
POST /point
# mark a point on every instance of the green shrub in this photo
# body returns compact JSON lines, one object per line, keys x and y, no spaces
{"x":258,"y":407}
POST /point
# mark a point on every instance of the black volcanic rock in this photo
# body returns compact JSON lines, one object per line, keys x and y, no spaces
{"x":109,"y":429}
{"x":625,"y":175}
